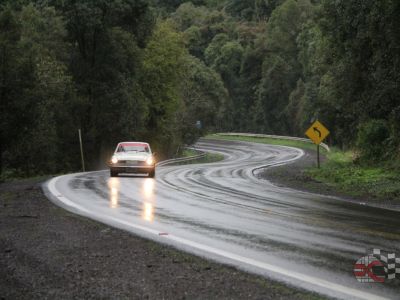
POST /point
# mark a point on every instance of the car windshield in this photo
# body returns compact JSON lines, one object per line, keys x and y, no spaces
{"x":133,"y":148}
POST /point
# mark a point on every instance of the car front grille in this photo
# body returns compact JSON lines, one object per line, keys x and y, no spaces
{"x":132,"y":162}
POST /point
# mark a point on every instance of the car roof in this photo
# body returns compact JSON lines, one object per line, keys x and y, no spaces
{"x":133,"y":144}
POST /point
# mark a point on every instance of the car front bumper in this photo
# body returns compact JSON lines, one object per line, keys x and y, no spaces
{"x":132,"y":169}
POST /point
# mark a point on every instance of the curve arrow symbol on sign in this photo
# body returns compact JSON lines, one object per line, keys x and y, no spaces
{"x":318,"y":131}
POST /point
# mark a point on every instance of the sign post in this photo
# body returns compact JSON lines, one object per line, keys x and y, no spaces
{"x":317,"y":133}
{"x":80,"y":142}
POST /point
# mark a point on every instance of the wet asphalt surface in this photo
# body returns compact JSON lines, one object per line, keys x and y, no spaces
{"x":224,"y":212}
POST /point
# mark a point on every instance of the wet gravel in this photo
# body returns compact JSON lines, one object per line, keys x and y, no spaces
{"x":293,"y":175}
{"x":46,"y":252}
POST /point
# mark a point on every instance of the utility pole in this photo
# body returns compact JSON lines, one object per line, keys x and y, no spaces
{"x":80,"y":142}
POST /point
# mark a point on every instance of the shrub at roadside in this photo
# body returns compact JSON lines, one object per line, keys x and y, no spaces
{"x":355,"y":179}
{"x":372,"y":141}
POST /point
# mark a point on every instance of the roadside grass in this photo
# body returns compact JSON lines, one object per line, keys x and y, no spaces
{"x":264,"y":140}
{"x":341,"y":172}
{"x":189,"y":152}
{"x":208,"y":158}
{"x":7,"y":176}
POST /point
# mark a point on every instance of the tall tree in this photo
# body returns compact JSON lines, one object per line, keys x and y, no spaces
{"x":106,"y":62}
{"x":163,"y":70}
{"x":11,"y":69}
{"x":281,"y":68}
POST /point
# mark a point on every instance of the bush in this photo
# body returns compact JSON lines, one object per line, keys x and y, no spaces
{"x":372,"y":140}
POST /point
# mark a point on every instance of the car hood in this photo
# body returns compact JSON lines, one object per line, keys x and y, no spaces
{"x":132,"y":156}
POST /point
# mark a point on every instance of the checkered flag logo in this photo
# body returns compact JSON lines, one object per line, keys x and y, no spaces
{"x":390,"y":262}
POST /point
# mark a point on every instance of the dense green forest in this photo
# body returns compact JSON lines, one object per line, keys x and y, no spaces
{"x":148,"y":70}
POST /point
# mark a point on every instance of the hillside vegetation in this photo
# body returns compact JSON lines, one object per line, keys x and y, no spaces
{"x":287,"y":63}
{"x":148,"y":70}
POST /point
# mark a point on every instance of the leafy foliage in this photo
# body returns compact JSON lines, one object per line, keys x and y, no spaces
{"x":136,"y":69}
{"x":288,"y":63}
{"x":371,"y":140}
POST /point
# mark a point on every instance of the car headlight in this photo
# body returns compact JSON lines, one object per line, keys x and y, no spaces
{"x":114,"y":160}
{"x":150,"y":161}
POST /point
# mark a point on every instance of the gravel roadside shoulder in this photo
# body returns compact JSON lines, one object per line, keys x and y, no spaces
{"x":47,"y":252}
{"x":293,"y":175}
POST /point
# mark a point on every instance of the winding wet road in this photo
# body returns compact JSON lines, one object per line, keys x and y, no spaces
{"x":224,"y":212}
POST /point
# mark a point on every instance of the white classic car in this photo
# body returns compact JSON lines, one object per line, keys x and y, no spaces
{"x":132,"y":157}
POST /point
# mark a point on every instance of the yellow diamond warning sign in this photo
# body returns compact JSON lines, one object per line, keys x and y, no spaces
{"x":317,"y":132}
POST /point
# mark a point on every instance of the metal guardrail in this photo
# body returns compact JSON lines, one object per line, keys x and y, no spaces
{"x":202,"y":154}
{"x":182,"y":159}
{"x":281,"y":137}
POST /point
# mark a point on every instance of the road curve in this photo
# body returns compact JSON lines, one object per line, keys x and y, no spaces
{"x":224,"y":212}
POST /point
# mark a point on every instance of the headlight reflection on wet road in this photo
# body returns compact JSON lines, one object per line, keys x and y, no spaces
{"x":113,"y":185}
{"x":148,"y":197}
{"x":148,"y":211}
{"x":148,"y":189}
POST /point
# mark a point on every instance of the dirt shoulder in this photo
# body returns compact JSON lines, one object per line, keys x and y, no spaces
{"x":293,"y":175}
{"x":47,"y":252}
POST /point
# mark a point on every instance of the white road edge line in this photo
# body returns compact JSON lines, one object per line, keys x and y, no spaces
{"x":51,"y":186}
